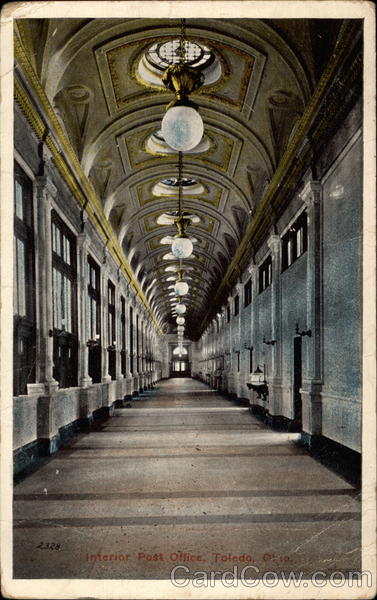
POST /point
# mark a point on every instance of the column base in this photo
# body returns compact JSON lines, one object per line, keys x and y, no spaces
{"x":311,"y":407}
{"x":51,"y":387}
{"x":85,"y":382}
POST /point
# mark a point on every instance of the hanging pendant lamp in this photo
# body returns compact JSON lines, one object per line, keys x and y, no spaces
{"x":182,"y":126}
{"x":182,"y":246}
{"x":181,"y":287}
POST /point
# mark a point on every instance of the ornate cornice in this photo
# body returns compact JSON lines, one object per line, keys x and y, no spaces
{"x":33,"y":102}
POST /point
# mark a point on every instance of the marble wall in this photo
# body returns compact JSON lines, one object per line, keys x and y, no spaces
{"x":321,"y":292}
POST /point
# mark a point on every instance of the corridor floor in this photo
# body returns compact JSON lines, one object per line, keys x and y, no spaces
{"x":183,"y":476}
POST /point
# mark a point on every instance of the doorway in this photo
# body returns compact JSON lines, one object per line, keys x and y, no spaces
{"x":297,"y":383}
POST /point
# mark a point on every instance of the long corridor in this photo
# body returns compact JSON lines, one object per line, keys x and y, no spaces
{"x":183,"y":475}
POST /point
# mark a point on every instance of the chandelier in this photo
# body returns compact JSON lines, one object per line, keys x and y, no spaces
{"x":182,"y":245}
{"x":182,"y":126}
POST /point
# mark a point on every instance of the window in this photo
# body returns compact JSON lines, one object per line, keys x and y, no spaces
{"x":247,"y":293}
{"x":111,"y":331}
{"x":295,"y":241}
{"x":23,"y":291}
{"x":265,"y":274}
{"x":137,"y":345}
{"x":123,"y":335}
{"x":250,"y":360}
{"x":94,"y":299}
{"x":64,"y":303}
{"x":236,"y":305}
{"x":174,"y":182}
{"x":228,"y":314}
{"x":94,"y":316}
{"x":131,"y":341}
{"x":161,"y":55}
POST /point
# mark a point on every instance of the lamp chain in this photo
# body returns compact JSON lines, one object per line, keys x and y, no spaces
{"x":180,"y":184}
{"x":182,"y":42}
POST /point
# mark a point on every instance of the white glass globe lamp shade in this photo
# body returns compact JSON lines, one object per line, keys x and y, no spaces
{"x":182,"y":247}
{"x":180,"y":308}
{"x":180,"y":320}
{"x":181,"y":288}
{"x":182,"y":128}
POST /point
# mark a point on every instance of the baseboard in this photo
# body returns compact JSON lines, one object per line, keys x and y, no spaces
{"x":344,"y":461}
{"x":30,"y":457}
{"x":281,"y":423}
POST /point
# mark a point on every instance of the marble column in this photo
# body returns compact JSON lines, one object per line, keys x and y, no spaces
{"x":104,"y":324}
{"x":45,"y":191}
{"x":275,"y":382}
{"x":311,"y":346}
{"x":253,"y":272}
{"x":83,"y":359}
{"x":118,"y":335}
{"x":238,"y":341}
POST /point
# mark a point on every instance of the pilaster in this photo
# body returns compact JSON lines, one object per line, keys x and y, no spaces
{"x":83,"y":358}
{"x":312,"y":373}
{"x":104,"y":324}
{"x":274,"y":244}
{"x":45,"y":190}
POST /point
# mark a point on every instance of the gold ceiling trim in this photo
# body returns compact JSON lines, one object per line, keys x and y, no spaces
{"x":93,"y":206}
{"x":134,"y":142}
{"x":249,"y":62}
{"x":148,"y":198}
{"x":210,"y":91}
{"x":119,"y":100}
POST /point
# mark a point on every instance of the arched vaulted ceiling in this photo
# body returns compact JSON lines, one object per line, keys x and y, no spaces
{"x":111,"y":111}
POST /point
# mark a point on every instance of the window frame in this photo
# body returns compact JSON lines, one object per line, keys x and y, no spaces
{"x":265,"y":274}
{"x":24,"y":325}
{"x":65,"y":340}
{"x":247,"y":292}
{"x":291,"y":249}
{"x":123,"y":334}
{"x":111,"y":328}
{"x":94,"y":292}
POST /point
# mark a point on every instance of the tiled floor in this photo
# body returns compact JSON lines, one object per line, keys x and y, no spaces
{"x":184,"y":476}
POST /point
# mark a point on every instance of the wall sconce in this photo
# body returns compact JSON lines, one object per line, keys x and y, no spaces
{"x":308,"y":332}
{"x":269,"y":342}
{"x":92,"y":343}
{"x":258,"y":383}
{"x":59,"y":333}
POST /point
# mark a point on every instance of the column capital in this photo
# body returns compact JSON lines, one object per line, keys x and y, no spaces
{"x":43,"y":182}
{"x":311,"y":194}
{"x":252,"y":269}
{"x":273,"y":243}
{"x":82,"y":240}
